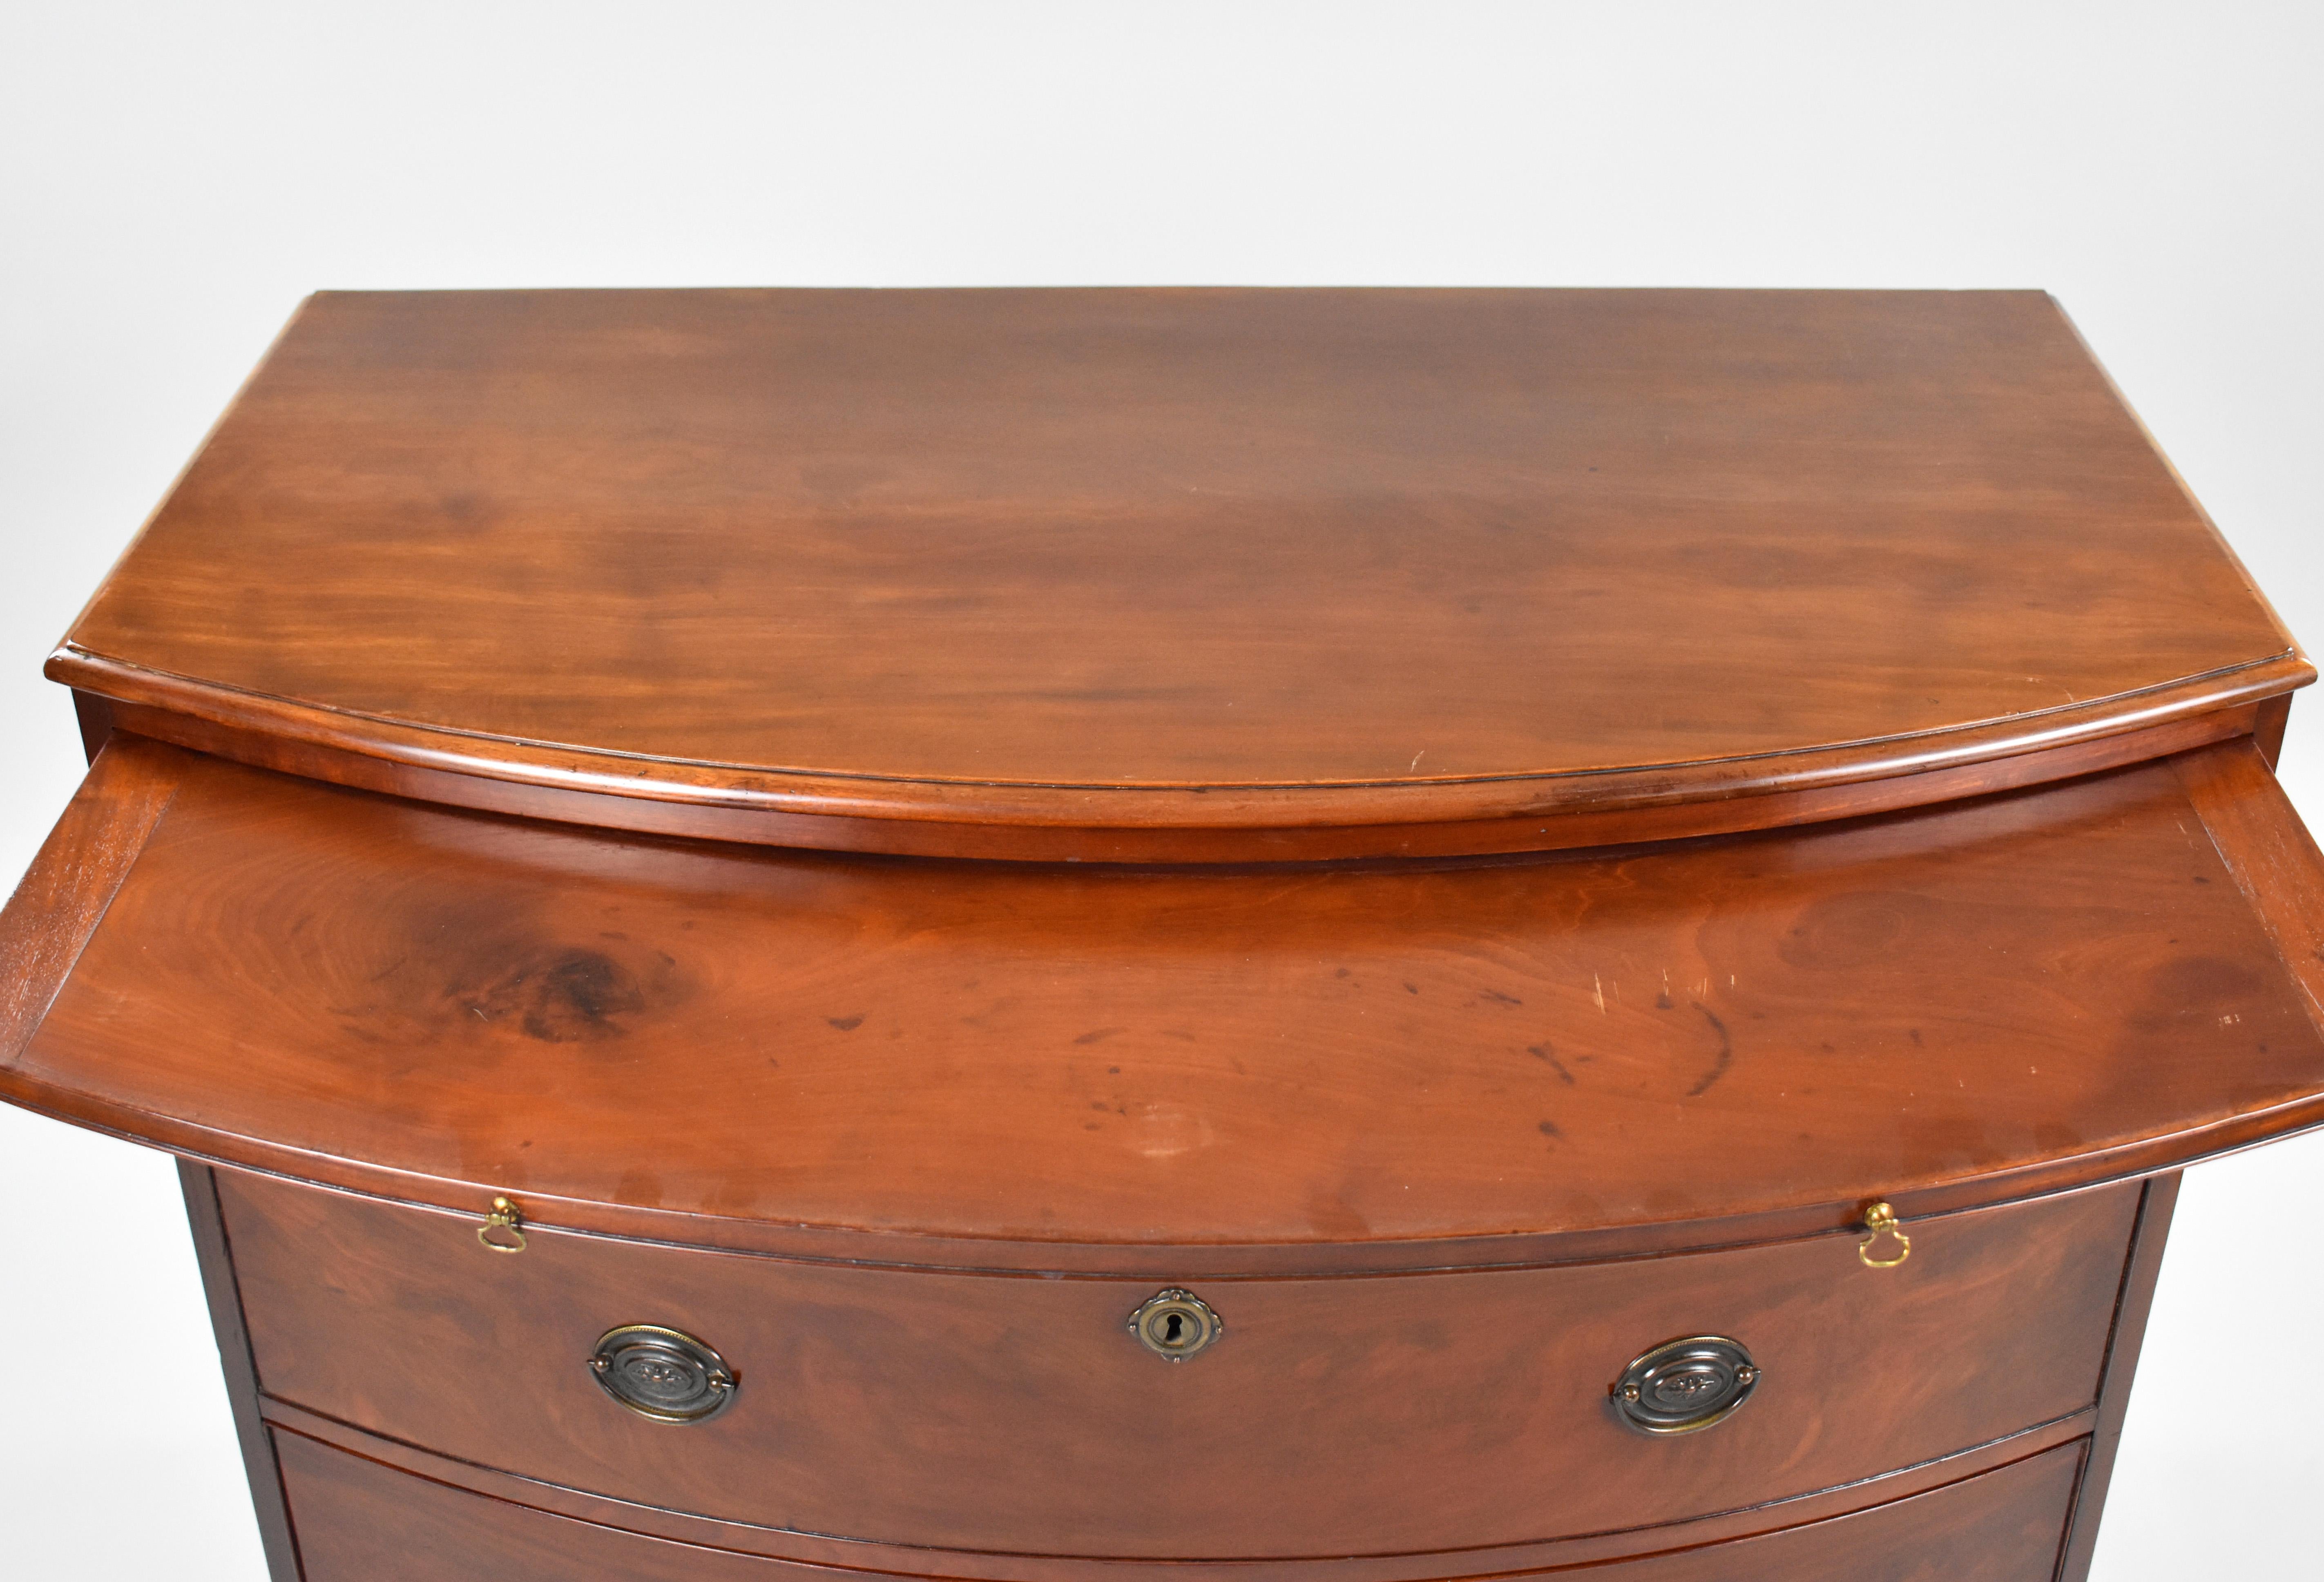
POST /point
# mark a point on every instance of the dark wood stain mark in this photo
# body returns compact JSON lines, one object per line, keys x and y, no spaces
{"x":1725,"y":1058}
{"x":845,"y":1024}
{"x":1541,"y":1051}
{"x":573,"y":995}
{"x":2051,"y":899}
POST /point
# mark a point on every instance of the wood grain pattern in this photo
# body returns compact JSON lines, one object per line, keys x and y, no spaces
{"x":1901,"y":730}
{"x":1356,"y":1416}
{"x":62,"y":897}
{"x":982,"y":1566}
{"x":360,"y":1522}
{"x":698,"y":1043}
{"x":2274,"y":860}
{"x":2002,"y":1527}
{"x":1598,"y":810}
{"x":1358,"y":557}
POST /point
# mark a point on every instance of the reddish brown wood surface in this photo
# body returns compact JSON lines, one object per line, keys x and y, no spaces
{"x":360,"y":1522}
{"x":1180,"y":577}
{"x":985,"y":1565}
{"x":62,"y":897}
{"x":1162,"y":559}
{"x":2158,"y":1198}
{"x":2274,"y":861}
{"x":224,"y":1295}
{"x":2002,"y":1527}
{"x":715,"y":1044}
{"x":1596,"y":810}
{"x":1368,"y":1415}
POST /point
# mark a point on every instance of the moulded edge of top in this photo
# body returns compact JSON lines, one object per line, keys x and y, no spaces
{"x":1324,"y":822}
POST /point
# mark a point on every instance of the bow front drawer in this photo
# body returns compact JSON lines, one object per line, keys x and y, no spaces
{"x":1198,"y":1417}
{"x":360,"y":1523}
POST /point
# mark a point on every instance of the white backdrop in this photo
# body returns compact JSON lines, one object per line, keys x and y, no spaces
{"x":173,"y":179}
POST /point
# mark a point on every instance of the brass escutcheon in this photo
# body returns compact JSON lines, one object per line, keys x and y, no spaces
{"x":1879,"y":1221}
{"x":502,"y":1222}
{"x":1175,"y":1324}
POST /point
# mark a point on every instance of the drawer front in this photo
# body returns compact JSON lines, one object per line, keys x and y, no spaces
{"x":359,"y":1522}
{"x":1333,"y":1415}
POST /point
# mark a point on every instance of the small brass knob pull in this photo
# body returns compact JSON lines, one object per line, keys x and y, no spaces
{"x":1880,"y":1220}
{"x":1174,"y":1324}
{"x":665,"y":1375}
{"x":498,"y":1232}
{"x":1683,"y":1386}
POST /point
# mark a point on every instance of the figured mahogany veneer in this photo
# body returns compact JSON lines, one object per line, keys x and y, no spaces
{"x":1529,"y":815}
{"x":1138,"y":573}
{"x":360,"y":1522}
{"x":1352,"y":1416}
{"x":997,"y":1064}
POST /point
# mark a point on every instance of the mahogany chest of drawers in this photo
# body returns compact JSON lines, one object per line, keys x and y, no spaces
{"x":1280,"y":935}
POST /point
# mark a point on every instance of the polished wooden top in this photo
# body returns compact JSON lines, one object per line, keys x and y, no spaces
{"x":1156,"y":559}
{"x":1021,"y":1065}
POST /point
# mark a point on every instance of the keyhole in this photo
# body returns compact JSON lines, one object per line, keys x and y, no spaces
{"x":1174,"y":1324}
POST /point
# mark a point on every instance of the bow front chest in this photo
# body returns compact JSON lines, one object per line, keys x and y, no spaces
{"x":1278,"y":936}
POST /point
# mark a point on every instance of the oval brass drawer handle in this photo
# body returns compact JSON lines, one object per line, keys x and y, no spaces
{"x":1683,"y":1386}
{"x":1879,"y":1221}
{"x":1174,"y":1324}
{"x":665,"y":1375}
